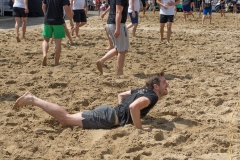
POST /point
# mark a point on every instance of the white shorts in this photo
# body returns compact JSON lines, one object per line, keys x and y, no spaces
{"x":122,"y":42}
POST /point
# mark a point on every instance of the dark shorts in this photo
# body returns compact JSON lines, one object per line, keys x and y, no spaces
{"x":143,"y":3}
{"x":102,"y":117}
{"x":79,"y":16}
{"x":186,"y":8}
{"x":19,"y":12}
{"x":155,"y":3}
{"x":222,"y":6}
{"x":207,"y":11}
{"x":166,"y":18}
{"x":134,"y":20}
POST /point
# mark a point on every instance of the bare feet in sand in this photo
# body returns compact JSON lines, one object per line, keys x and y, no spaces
{"x":18,"y":39}
{"x":99,"y":66}
{"x":24,"y":100}
{"x":44,"y":61}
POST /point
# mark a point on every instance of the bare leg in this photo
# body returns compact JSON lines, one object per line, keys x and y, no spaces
{"x":52,"y":109}
{"x":45,"y":47}
{"x":129,"y":26}
{"x":161,"y":31}
{"x":203,"y":18}
{"x":169,"y":31}
{"x":109,"y":40}
{"x":77,"y":29}
{"x":24,"y":26}
{"x":68,"y":34}
{"x":110,"y":54}
{"x":120,"y":61}
{"x":134,"y":29}
{"x":57,"y":50}
{"x":17,"y":19}
{"x":210,"y":17}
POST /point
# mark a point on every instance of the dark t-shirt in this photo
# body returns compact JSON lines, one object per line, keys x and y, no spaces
{"x":186,"y":2}
{"x":54,"y":11}
{"x":123,"y":110}
{"x":207,"y":4}
{"x":112,"y":13}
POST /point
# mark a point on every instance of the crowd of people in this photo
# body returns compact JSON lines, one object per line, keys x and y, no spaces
{"x":133,"y":104}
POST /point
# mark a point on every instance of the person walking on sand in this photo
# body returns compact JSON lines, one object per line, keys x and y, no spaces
{"x":20,"y":10}
{"x":54,"y":25}
{"x":118,"y":32}
{"x":187,"y":8}
{"x":222,"y":8}
{"x":167,"y":8}
{"x":133,"y":105}
{"x":133,"y":10}
{"x":207,"y":9}
{"x":79,"y":8}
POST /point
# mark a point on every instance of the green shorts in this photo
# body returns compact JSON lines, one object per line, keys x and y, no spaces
{"x":56,"y":30}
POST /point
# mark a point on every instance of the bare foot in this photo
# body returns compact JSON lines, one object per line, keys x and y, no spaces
{"x":18,"y":39}
{"x":109,"y":47}
{"x":24,"y":100}
{"x":119,"y":73}
{"x":99,"y":67}
{"x":44,"y":61}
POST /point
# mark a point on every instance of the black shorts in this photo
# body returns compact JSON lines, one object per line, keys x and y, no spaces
{"x":143,"y":3}
{"x":155,"y":3}
{"x":102,"y":117}
{"x":166,"y":18}
{"x":19,"y":12}
{"x":79,"y":16}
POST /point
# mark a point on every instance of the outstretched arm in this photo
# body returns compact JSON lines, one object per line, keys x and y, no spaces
{"x":123,"y":96}
{"x":135,"y":109}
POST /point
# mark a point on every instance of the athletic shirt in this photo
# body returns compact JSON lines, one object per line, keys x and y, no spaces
{"x":123,"y":111}
{"x":19,"y":4}
{"x":78,"y":4}
{"x":54,"y":11}
{"x":169,"y":11}
{"x":136,"y":5}
{"x":112,"y":12}
{"x":207,"y":4}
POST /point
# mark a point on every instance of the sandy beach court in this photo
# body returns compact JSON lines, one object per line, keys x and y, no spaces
{"x":198,"y":120}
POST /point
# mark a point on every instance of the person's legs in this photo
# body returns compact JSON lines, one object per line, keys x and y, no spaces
{"x":76,"y":28}
{"x":24,"y":26}
{"x":58,"y":44}
{"x":109,"y":39}
{"x":169,"y":31}
{"x":134,"y":29}
{"x":110,"y":54}
{"x":45,"y":47}
{"x":210,"y":17}
{"x":52,"y":109}
{"x":17,"y":23}
{"x":204,"y":15}
{"x":68,"y":34}
{"x":161,"y":31}
{"x":200,"y":11}
{"x":120,"y":62}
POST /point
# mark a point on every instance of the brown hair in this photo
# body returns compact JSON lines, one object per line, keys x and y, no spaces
{"x":153,"y":79}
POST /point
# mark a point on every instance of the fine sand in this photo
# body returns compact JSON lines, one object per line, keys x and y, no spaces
{"x":195,"y":121}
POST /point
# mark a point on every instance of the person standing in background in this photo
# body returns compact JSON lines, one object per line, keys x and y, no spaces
{"x":20,"y":10}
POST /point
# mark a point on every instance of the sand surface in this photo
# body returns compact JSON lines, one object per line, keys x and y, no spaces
{"x":193,"y":122}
